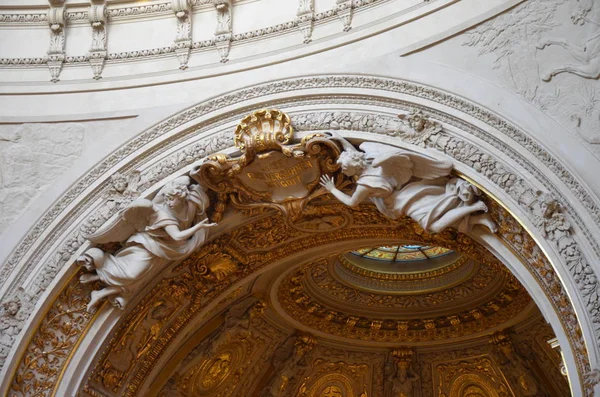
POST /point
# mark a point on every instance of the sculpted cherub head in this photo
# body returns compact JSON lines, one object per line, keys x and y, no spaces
{"x":119,"y":182}
{"x":352,"y":162}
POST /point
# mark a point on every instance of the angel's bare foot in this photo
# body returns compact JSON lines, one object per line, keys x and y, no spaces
{"x":489,"y":223}
{"x":86,"y":261}
{"x":88,"y":278}
{"x":96,"y":297}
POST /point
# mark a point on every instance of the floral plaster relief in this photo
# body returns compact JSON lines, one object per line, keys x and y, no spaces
{"x":32,"y":157}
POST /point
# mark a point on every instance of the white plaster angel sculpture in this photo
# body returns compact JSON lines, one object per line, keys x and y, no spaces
{"x":400,"y":183}
{"x":167,"y":228}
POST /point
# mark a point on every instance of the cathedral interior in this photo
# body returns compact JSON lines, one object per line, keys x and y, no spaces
{"x":299,"y":198}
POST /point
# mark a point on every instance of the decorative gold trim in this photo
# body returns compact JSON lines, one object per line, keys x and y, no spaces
{"x":366,"y":224}
{"x":300,"y":305}
{"x":519,"y":254}
{"x":263,"y":138}
{"x":395,"y":288}
{"x":76,"y":346}
{"x":403,"y":276}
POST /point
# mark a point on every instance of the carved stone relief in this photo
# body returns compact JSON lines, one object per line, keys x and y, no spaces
{"x":52,"y":344}
{"x":433,"y":137}
{"x":183,"y":38}
{"x":532,"y":343}
{"x":321,"y":310}
{"x":220,"y":372}
{"x":55,"y":56}
{"x":527,"y":42}
{"x":337,"y":379}
{"x":451,"y":372}
{"x":166,"y":229}
{"x":515,"y":367}
{"x":232,"y":358}
{"x":100,"y":15}
{"x":291,"y":361}
{"x":164,"y":310}
{"x":344,"y":10}
{"x":32,"y":157}
{"x":223,"y":34}
{"x":403,"y":379}
{"x":175,"y":164}
{"x":272,"y":171}
{"x":97,"y":55}
{"x":305,"y":18}
{"x":382,"y":174}
{"x":453,"y":378}
{"x":488,"y":277}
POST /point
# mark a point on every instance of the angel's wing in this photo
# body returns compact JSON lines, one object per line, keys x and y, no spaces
{"x":132,"y":219}
{"x":401,"y":164}
{"x":428,"y":168}
{"x":395,"y":163}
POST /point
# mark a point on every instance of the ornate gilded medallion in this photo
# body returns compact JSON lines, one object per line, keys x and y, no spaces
{"x":272,"y":170}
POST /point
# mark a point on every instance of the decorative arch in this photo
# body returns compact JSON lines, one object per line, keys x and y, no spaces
{"x":332,"y":385}
{"x":543,"y":232}
{"x":472,"y":385}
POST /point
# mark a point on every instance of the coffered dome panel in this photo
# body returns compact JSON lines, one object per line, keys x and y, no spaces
{"x":453,"y":297}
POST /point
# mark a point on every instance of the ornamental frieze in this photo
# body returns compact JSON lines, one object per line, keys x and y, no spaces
{"x":209,"y":267}
{"x":474,"y":285}
{"x":517,"y":188}
{"x":316,"y":311}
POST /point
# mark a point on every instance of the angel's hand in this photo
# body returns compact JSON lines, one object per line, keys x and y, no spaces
{"x":204,"y":222}
{"x":327,"y":182}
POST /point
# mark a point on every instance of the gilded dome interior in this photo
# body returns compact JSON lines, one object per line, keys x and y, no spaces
{"x":445,"y":297}
{"x":344,"y":322}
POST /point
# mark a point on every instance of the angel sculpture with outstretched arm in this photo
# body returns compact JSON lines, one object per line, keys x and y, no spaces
{"x":168,"y":228}
{"x":400,"y":182}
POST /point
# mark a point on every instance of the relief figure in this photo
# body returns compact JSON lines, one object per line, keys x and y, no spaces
{"x":586,"y":53}
{"x":403,"y":183}
{"x":167,"y":228}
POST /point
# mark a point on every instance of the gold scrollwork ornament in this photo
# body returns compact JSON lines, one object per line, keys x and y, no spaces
{"x":271,"y":172}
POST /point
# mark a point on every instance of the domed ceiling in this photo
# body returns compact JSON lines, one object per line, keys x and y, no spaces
{"x":375,"y":321}
{"x":382,"y":294}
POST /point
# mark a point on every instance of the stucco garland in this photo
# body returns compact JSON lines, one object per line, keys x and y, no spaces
{"x":220,"y":142}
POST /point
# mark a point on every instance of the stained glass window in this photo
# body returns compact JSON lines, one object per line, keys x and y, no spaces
{"x":402,"y":253}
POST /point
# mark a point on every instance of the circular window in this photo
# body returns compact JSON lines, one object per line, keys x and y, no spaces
{"x":402,"y":253}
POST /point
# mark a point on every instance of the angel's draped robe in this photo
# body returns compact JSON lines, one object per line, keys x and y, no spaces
{"x":147,"y":252}
{"x":426,"y":201}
